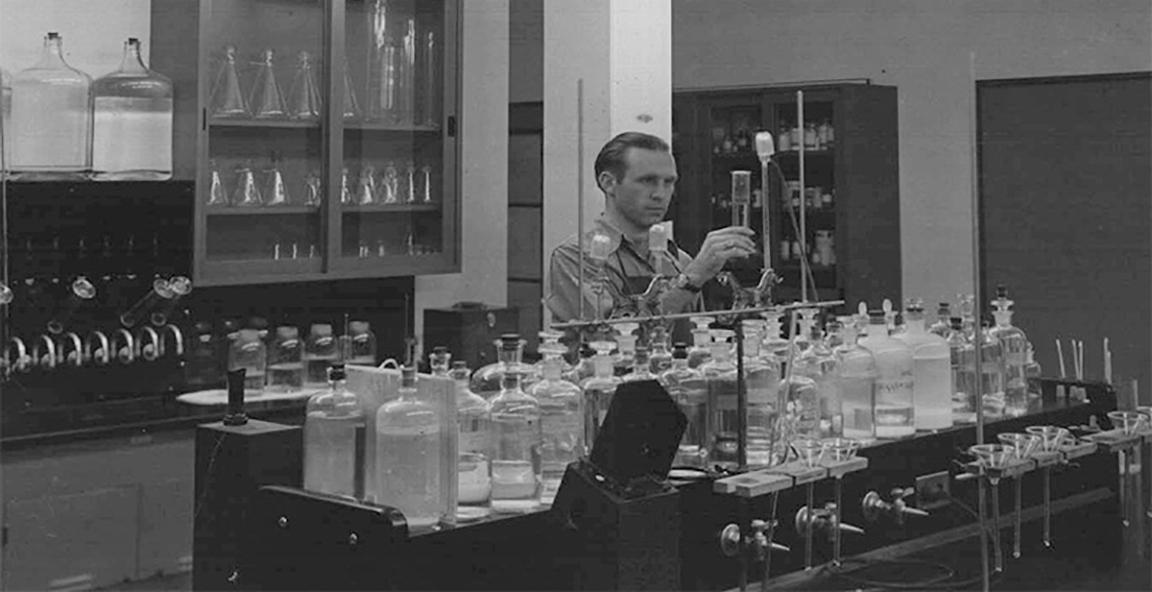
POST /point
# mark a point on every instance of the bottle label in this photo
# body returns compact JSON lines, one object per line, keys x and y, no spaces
{"x":900,"y":386}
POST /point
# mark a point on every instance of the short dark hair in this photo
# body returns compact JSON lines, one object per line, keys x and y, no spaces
{"x":613,"y":156}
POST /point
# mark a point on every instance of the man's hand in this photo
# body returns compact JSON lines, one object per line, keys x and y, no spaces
{"x":719,"y":246}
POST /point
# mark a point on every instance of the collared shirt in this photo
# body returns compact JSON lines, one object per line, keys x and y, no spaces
{"x":628,"y":272}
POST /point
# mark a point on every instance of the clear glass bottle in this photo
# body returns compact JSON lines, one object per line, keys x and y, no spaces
{"x":943,"y":324}
{"x":320,"y":352}
{"x":132,"y":122}
{"x":248,"y":351}
{"x":689,"y":390}
{"x":701,"y":350}
{"x":819,"y":363}
{"x":359,"y":345}
{"x":598,"y":390}
{"x":582,"y":370}
{"x":764,"y":443}
{"x":515,"y":441}
{"x":779,"y":348}
{"x":1015,"y":349}
{"x":551,"y":339}
{"x":932,"y":374}
{"x":561,"y":420}
{"x":659,"y":355}
{"x":857,"y":386}
{"x":474,"y":479}
{"x":439,"y":361}
{"x":720,"y":375}
{"x":408,"y":440}
{"x":963,"y":359}
{"x":286,"y":361}
{"x":992,"y":371}
{"x":51,"y":118}
{"x":330,"y":437}
{"x":641,"y":368}
{"x":1032,"y":371}
{"x":626,"y":347}
{"x":895,"y":371}
{"x":489,"y":380}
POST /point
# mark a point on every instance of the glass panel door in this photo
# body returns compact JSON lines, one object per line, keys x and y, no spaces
{"x":393,"y":179}
{"x":263,"y":186}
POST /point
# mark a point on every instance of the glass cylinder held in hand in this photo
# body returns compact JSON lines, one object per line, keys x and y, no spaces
{"x":330,"y":432}
{"x":132,"y":122}
{"x":408,"y":455}
{"x":51,"y":118}
{"x":741,"y":198}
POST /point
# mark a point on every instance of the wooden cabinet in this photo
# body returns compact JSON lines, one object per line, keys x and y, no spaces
{"x":321,"y":135}
{"x":851,"y":181}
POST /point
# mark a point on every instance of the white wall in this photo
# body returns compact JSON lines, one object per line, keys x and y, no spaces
{"x":922,"y":47}
{"x":484,"y":159}
{"x":94,"y":31}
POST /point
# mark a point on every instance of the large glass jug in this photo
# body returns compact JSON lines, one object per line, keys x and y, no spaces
{"x":132,"y":122}
{"x":51,"y":121}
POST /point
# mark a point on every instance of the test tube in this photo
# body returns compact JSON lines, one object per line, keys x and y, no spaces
{"x":658,"y":246}
{"x":160,"y":291}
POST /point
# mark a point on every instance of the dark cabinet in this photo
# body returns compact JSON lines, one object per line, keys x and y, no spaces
{"x":847,"y":141}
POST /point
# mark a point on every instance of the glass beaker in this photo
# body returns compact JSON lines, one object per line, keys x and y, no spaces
{"x":227,"y":99}
{"x":304,"y":96}
{"x":266,"y":100}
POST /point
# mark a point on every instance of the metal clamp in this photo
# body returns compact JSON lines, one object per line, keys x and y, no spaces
{"x":874,"y":506}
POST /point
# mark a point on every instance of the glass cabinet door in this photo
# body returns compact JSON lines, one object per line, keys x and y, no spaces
{"x":263,"y":188}
{"x":395,"y":208}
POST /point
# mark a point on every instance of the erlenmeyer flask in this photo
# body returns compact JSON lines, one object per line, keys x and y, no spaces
{"x":312,"y":189}
{"x":217,"y":195}
{"x":345,"y":189}
{"x":411,"y":169}
{"x":366,"y":187}
{"x":304,"y":97}
{"x":391,"y":184}
{"x":247,"y":193}
{"x":227,"y":99}
{"x":266,"y":100}
{"x":274,"y":189}
{"x":351,"y":109}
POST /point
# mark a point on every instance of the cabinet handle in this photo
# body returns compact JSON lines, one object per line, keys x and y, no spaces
{"x":451,"y":126}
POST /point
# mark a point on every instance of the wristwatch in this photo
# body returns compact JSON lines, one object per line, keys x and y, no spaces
{"x":682,"y":282}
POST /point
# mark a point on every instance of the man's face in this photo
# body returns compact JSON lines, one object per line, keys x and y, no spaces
{"x":643,"y":194}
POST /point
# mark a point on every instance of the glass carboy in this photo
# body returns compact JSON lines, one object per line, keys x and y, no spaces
{"x":408,"y":455}
{"x":330,"y":437}
{"x":132,"y":122}
{"x":51,"y":119}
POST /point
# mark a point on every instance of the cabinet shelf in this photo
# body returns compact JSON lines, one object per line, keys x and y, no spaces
{"x":263,"y":123}
{"x":262,"y":211}
{"x":369,"y":126}
{"x":380,"y":208}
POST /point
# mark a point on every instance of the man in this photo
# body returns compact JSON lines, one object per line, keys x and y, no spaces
{"x":637,"y":174}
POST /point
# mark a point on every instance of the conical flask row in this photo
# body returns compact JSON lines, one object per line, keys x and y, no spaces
{"x":265,"y":98}
{"x":251,"y":187}
{"x":395,"y":182}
